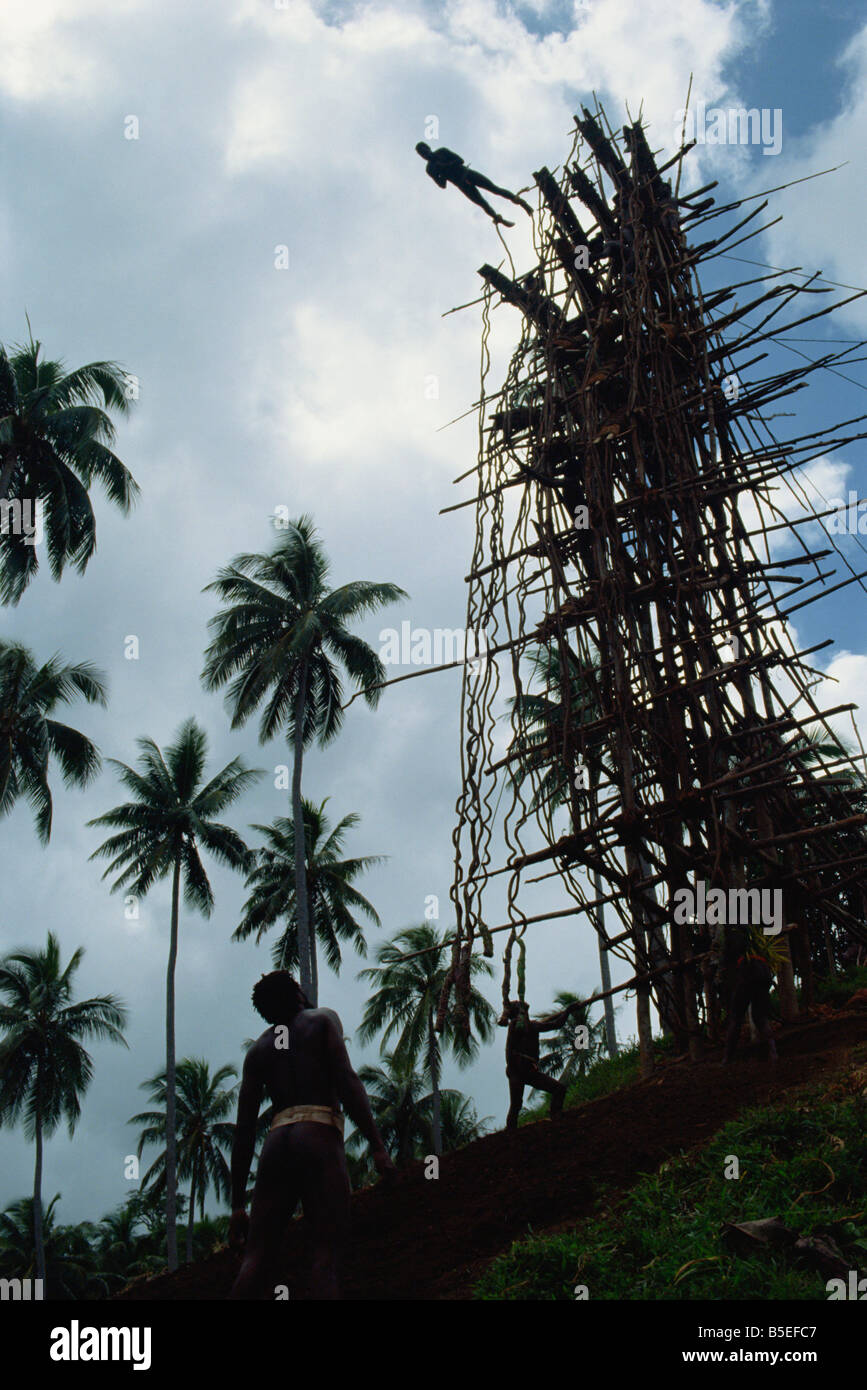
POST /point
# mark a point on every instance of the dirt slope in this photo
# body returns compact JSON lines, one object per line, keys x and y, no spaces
{"x":427,"y":1239}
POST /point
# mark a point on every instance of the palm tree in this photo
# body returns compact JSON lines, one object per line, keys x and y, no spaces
{"x":209,"y":1235}
{"x":29,"y":694}
{"x":73,"y":1265}
{"x":123,"y":1242}
{"x":400,"y":1110}
{"x":410,"y":974}
{"x":460,"y":1123}
{"x":286,"y":633}
{"x":564,"y":1054}
{"x":539,"y":741}
{"x":55,"y":438}
{"x":44,"y":1070}
{"x":204,"y":1134}
{"x":333,"y":901}
{"x":359,"y":1164}
{"x":145,"y":1211}
{"x":161,"y":831}
{"x":404,"y":1117}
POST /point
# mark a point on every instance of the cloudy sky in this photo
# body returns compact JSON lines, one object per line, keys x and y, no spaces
{"x":262,"y":126}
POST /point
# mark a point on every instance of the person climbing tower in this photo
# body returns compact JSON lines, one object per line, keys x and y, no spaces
{"x":522,"y":1057}
{"x":444,"y":167}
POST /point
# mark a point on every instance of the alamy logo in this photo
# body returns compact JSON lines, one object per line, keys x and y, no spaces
{"x":419,"y":646}
{"x":22,"y":518}
{"x":738,"y":907}
{"x":735,"y":125}
{"x":76,"y":1343}
{"x":856,"y":1289}
{"x":23,"y":1290}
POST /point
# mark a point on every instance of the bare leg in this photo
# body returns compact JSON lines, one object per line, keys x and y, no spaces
{"x":469,"y":191}
{"x":736,"y":1022}
{"x":557,"y":1091}
{"x":767,"y":1033}
{"x":516,"y":1098}
{"x":759,"y":1006}
{"x":325,"y":1194}
{"x":485,"y":183}
{"x":274,"y":1200}
{"x":742,"y":998}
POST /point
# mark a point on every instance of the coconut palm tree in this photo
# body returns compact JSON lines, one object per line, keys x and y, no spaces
{"x":405,"y":1117}
{"x":73,"y":1265}
{"x":334,"y":904}
{"x":539,"y":741}
{"x":209,"y":1234}
{"x":44,"y":1070}
{"x":359,"y":1164}
{"x":460,"y":1123}
{"x":55,"y":438}
{"x":403,"y":1114}
{"x":124,"y":1244}
{"x":161,"y":832}
{"x":203,"y":1132}
{"x":282,"y":640}
{"x":410,"y":973}
{"x":140,"y":1231}
{"x":29,"y":694}
{"x":565,"y":1053}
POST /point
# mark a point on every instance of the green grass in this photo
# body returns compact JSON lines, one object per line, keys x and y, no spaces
{"x":840,"y":990}
{"x":662,"y":1241}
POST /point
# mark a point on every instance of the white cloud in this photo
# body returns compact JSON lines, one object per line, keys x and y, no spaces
{"x":820,"y":217}
{"x":48,"y":52}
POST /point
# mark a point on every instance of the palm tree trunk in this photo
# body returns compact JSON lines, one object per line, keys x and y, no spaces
{"x":314,"y":965}
{"x":434,"y":1067}
{"x":305,"y":960}
{"x":38,"y":1240}
{"x":192,"y":1216}
{"x":171,"y":1142}
{"x":604,"y":971}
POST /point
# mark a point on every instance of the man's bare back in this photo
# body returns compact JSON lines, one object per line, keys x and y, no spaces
{"x":294,"y":1061}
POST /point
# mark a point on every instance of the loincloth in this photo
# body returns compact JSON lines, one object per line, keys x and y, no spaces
{"x":316,"y":1114}
{"x":519,"y":1066}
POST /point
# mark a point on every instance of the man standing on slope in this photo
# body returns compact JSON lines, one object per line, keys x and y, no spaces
{"x":302,"y":1063}
{"x":522,"y":1057}
{"x":752,"y":978}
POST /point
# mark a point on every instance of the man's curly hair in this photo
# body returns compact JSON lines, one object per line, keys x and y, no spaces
{"x":278,"y":997}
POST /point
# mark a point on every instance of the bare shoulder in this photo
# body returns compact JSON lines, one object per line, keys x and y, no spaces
{"x":323,"y":1020}
{"x":256,"y":1054}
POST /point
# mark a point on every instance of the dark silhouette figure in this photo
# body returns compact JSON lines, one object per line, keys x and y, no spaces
{"x":522,"y":1057}
{"x":752,"y":979}
{"x":302,"y":1064}
{"x":444,"y":167}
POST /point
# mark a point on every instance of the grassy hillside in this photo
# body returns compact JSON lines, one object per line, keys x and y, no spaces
{"x":805,"y":1162}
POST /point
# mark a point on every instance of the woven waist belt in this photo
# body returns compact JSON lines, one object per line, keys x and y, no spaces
{"x":317,"y":1114}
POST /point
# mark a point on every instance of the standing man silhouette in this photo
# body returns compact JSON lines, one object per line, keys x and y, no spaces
{"x":752,"y":979}
{"x":522,"y":1057}
{"x":302,"y":1064}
